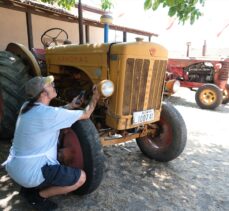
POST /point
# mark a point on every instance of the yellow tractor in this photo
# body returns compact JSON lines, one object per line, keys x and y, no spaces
{"x":131,"y":79}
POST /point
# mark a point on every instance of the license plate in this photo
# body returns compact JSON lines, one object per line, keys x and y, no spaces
{"x":143,"y":116}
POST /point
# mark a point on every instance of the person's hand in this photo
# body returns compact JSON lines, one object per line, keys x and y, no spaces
{"x":96,"y":94}
{"x":77,"y":102}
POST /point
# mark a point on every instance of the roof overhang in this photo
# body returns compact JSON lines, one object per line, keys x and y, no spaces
{"x":45,"y":10}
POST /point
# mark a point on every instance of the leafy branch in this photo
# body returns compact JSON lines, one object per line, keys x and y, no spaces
{"x":184,"y":9}
{"x":106,"y":4}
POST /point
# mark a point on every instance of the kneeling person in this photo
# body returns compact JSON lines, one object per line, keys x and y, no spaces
{"x":32,"y":161}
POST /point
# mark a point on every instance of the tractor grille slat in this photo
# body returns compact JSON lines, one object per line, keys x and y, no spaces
{"x":128,"y":86}
{"x":224,"y":73}
{"x":135,"y":82}
{"x":157,"y":83}
{"x":142,"y":91}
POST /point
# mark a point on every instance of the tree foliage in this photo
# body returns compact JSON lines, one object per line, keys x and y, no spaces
{"x":67,"y":4}
{"x":105,"y":4}
{"x":184,"y":10}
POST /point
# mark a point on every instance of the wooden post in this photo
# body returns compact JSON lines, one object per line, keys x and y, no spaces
{"x":87,"y":33}
{"x":124,"y":36}
{"x":80,"y":18}
{"x":29,"y":29}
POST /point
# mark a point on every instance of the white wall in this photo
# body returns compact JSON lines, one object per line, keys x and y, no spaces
{"x":12,"y":27}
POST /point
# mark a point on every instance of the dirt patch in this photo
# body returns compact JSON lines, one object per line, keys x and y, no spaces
{"x":197,"y":180}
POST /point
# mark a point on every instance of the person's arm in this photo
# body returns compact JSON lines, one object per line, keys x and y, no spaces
{"x":73,"y":104}
{"x":67,"y":106}
{"x":92,"y":104}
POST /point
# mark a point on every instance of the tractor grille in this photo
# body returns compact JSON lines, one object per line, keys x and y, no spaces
{"x":224,"y":72}
{"x":135,"y":85}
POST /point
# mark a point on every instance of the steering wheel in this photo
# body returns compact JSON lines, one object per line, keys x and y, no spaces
{"x":53,"y":37}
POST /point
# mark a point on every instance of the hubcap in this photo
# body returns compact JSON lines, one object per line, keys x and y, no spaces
{"x":208,"y":97}
{"x":71,"y":151}
{"x":161,"y":138}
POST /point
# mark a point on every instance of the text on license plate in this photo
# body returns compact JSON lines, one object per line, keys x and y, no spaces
{"x":143,"y":116}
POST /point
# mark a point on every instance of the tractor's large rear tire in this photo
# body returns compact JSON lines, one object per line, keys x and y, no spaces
{"x":209,"y":96}
{"x":1,"y":104}
{"x":13,"y":75}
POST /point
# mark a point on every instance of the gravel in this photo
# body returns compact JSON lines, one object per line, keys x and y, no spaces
{"x":196,"y":180}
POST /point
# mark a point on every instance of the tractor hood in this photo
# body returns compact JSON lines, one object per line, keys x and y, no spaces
{"x":135,"y":49}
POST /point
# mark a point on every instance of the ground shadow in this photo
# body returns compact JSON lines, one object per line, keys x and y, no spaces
{"x":194,"y":181}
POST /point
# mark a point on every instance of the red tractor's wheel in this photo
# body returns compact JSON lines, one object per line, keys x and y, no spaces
{"x":209,"y":96}
{"x":170,"y":139}
{"x":225,"y":96}
{"x":81,"y":148}
{"x":225,"y":100}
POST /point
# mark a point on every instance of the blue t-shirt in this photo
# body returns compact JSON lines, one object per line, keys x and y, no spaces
{"x":35,"y":142}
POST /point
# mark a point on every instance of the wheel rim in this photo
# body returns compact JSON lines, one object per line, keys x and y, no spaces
{"x":162,"y":138}
{"x":72,"y":152}
{"x":208,"y":97}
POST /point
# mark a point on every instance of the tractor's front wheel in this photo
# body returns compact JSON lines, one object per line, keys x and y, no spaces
{"x":209,"y":96}
{"x":81,"y":148}
{"x":169,"y":140}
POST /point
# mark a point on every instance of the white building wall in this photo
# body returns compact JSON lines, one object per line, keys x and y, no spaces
{"x":12,"y":27}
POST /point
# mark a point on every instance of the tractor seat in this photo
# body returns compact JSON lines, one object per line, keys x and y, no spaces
{"x":39,"y":54}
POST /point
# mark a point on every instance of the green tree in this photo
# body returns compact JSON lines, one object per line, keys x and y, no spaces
{"x":67,"y":4}
{"x":184,"y":10}
{"x":105,"y":4}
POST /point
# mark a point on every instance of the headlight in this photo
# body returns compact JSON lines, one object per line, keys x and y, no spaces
{"x":106,"y":87}
{"x":176,"y":86}
{"x":172,"y":86}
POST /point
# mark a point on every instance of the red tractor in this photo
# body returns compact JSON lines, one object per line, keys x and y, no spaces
{"x":209,"y":78}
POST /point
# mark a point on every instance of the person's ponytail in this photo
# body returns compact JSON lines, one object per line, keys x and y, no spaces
{"x":30,"y":104}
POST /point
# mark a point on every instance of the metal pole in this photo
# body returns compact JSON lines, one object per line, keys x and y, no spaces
{"x":188,"y":48}
{"x":204,"y":48}
{"x":106,"y":29}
